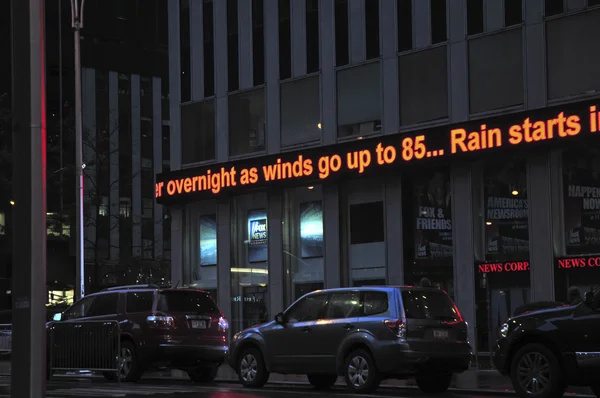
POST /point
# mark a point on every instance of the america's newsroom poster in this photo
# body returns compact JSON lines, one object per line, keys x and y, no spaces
{"x":208,"y":240}
{"x":311,"y":229}
{"x":506,"y":209}
{"x":582,"y":200}
{"x":433,"y":221}
{"x":257,"y":236}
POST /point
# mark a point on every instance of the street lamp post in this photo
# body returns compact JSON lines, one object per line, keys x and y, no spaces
{"x":77,"y":24}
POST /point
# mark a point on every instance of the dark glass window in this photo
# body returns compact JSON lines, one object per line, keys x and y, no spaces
{"x":139,"y":302}
{"x":366,"y":223}
{"x":209,"y":48}
{"x":80,"y":309}
{"x":429,"y":305}
{"x":198,"y":131}
{"x":309,"y":309}
{"x":233,"y":67}
{"x":166,"y":147}
{"x":105,"y":304}
{"x":375,"y":303}
{"x":187,"y":302}
{"x":404,"y":9}
{"x":592,"y":3}
{"x":513,"y":12}
{"x":554,"y":7}
{"x":344,"y":305}
{"x":258,"y":42}
{"x":438,"y":21}
{"x":342,"y":44}
{"x":285,"y":40}
{"x":372,"y":28}
{"x":312,"y":36}
{"x":474,"y":17}
{"x":184,"y":43}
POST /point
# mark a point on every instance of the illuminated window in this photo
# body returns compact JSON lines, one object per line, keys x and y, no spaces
{"x":103,"y":207}
{"x":125,"y":207}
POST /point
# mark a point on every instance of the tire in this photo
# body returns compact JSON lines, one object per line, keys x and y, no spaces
{"x":203,"y":375}
{"x":432,"y":382}
{"x":251,"y":369}
{"x":322,"y":382}
{"x":596,"y":390}
{"x":536,"y":372}
{"x":358,"y":363}
{"x":130,"y":370}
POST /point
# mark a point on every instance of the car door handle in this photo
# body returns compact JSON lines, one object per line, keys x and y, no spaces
{"x":306,"y":329}
{"x":348,"y":326}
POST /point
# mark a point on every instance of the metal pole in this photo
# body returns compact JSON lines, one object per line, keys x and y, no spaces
{"x":77,"y":23}
{"x":28,"y":375}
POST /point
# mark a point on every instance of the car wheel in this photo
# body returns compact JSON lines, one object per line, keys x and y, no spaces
{"x":129,"y":367}
{"x":322,"y":382}
{"x":432,"y":382}
{"x":203,"y":375}
{"x":536,"y":372}
{"x":360,"y":372}
{"x":596,"y":390}
{"x":251,"y":369}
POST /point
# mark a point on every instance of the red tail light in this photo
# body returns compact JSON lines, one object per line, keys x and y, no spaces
{"x":458,"y":314}
{"x":161,"y":322}
{"x":397,"y":326}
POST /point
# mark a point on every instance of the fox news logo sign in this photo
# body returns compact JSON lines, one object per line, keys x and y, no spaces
{"x":258,"y":232}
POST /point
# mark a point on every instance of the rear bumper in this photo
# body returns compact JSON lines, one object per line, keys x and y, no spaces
{"x":188,"y":355}
{"x":398,"y":358}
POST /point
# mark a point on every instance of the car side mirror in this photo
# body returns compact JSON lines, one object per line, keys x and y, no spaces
{"x":57,"y":317}
{"x":279,"y":318}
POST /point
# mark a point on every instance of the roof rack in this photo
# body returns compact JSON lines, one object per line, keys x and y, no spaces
{"x":132,"y":287}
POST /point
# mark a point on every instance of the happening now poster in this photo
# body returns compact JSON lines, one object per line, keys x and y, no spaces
{"x":258,"y":237}
{"x":208,"y":240}
{"x":311,"y":229}
{"x":506,"y":209}
{"x":433,"y":221}
{"x":581,"y":182}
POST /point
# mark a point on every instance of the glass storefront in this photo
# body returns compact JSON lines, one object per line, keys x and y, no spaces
{"x":249,"y":261}
{"x":200,"y":255}
{"x":303,"y":242}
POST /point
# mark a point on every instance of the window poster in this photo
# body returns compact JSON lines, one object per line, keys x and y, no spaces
{"x":506,"y":209}
{"x":311,"y":229}
{"x":433,"y":221}
{"x":581,"y":182}
{"x":258,"y":237}
{"x":208,"y":240}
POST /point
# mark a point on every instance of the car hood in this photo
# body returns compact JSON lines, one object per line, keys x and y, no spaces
{"x":259,"y":328}
{"x":560,"y":311}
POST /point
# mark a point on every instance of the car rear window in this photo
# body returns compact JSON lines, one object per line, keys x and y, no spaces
{"x":375,"y":303}
{"x":139,"y":302}
{"x":422,"y":304}
{"x":187,"y":301}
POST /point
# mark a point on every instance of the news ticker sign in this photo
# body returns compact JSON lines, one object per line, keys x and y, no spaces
{"x":519,"y":266}
{"x":553,"y":126}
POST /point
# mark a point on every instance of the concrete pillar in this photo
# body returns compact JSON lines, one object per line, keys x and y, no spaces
{"x":493,"y":15}
{"x":275,"y":217}
{"x":157,"y":145}
{"x":421,"y":10}
{"x":394,"y":234}
{"x":328,"y":73}
{"x":458,"y":61}
{"x":136,"y":168}
{"x":534,"y":64}
{"x":389,"y":67}
{"x":357,"y":31}
{"x":331,"y":232}
{"x":298,"y":18}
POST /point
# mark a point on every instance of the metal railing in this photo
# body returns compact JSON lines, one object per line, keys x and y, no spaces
{"x":85,"y":345}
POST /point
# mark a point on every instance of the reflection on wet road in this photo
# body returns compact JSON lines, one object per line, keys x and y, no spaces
{"x":183,"y":389}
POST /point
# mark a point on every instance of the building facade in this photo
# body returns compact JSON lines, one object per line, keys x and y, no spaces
{"x":319,"y":144}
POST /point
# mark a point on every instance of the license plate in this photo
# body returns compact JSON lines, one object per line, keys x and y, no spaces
{"x":440,"y":334}
{"x":198,"y":324}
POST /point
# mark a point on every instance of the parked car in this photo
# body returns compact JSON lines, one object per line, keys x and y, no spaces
{"x":363,"y":334}
{"x":547,"y":350}
{"x":177,"y":328}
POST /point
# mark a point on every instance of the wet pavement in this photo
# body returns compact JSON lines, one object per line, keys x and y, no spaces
{"x":93,"y":388}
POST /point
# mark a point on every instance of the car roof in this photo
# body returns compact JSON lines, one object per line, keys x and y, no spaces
{"x":145,"y":288}
{"x":378,"y":287}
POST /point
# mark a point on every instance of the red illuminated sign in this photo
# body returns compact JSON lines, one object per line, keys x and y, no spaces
{"x":578,"y":262}
{"x":508,"y":266}
{"x":325,"y":163}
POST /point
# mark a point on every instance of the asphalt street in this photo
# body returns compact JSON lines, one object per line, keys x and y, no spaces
{"x":184,"y":389}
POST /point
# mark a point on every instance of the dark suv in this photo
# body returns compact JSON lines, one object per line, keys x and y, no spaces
{"x":545,"y":351}
{"x":160,"y":326}
{"x":364,"y":334}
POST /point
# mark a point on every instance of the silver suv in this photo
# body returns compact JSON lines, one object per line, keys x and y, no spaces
{"x":363,"y":334}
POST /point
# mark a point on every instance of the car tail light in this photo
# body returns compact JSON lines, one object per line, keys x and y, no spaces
{"x":223,"y":324}
{"x":161,"y":322}
{"x":397,"y":326}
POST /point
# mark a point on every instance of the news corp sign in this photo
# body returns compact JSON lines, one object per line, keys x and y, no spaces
{"x":579,"y":262}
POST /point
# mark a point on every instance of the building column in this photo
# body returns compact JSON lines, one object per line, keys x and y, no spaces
{"x":298,"y":28}
{"x":331,"y":233}
{"x":463,"y":244}
{"x":114,"y":196}
{"x":541,"y":255}
{"x":245,"y":58}
{"x":534,"y":45}
{"x":221,"y":103}
{"x":421,"y":12}
{"x":272,"y":76}
{"x":275,"y":248}
{"x":394,"y":235}
{"x":136,"y":163}
{"x":197,"y":49}
{"x":493,"y":15}
{"x":224,"y":257}
{"x":357,"y":31}
{"x":458,"y":61}
{"x":90,"y":157}
{"x":389,"y":67}
{"x":328,"y":74}
{"x":157,"y":143}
